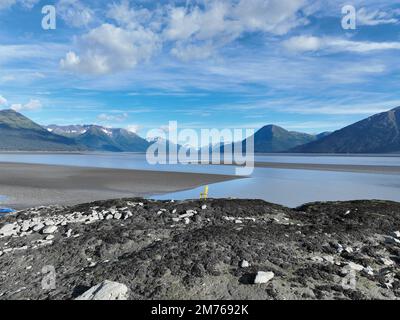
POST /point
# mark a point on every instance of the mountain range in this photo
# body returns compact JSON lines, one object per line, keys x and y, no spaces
{"x":377,"y":134}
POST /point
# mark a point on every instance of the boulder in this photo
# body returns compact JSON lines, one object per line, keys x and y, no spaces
{"x":107,"y":290}
{"x":49,"y":229}
{"x":9,"y":230}
{"x":355,"y":266}
{"x":38,"y":227}
{"x":263,"y":277}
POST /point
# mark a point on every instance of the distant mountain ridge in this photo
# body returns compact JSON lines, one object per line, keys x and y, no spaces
{"x":274,"y":139}
{"x":379,"y":133}
{"x":98,"y":138}
{"x":18,"y":133}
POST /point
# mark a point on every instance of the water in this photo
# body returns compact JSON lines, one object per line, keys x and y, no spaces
{"x":2,"y":198}
{"x":283,"y":186}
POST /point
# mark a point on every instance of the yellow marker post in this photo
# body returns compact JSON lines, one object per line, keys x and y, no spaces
{"x":204,"y":194}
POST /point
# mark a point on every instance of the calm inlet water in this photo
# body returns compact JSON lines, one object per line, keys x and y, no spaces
{"x":287,"y":187}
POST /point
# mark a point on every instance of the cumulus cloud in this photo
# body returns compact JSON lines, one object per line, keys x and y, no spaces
{"x":3,"y":101}
{"x":310,"y":43}
{"x":135,"y":34}
{"x":74,"y":13}
{"x":108,"y":49}
{"x":32,"y":105}
{"x":221,"y":22}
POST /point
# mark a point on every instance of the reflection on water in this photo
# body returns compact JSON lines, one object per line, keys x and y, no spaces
{"x":283,"y":186}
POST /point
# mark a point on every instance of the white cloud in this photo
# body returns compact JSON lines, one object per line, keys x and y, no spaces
{"x":29,"y":4}
{"x":221,"y":22}
{"x":112,"y":117}
{"x":75,"y":13}
{"x":32,"y":105}
{"x":4,"y":4}
{"x":376,"y":17}
{"x":126,"y":16}
{"x":3,"y":101}
{"x":310,"y":43}
{"x":109,"y":49}
{"x":134,"y":128}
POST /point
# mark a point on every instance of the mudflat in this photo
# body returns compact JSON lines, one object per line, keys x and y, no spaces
{"x":28,"y":185}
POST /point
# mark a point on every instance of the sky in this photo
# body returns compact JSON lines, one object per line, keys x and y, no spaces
{"x":206,"y":64}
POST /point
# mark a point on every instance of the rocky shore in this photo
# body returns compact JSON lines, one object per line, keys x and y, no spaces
{"x":214,"y":249}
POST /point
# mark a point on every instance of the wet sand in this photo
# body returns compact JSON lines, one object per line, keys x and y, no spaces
{"x":28,"y":185}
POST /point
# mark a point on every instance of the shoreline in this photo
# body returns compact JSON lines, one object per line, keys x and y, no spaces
{"x":30,"y":185}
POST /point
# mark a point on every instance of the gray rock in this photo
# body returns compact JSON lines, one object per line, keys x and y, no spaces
{"x":392,"y":240}
{"x":107,"y":290}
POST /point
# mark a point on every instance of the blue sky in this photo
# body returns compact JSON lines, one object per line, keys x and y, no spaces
{"x":206,"y":64}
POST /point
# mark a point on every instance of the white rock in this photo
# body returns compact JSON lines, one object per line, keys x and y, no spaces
{"x":355,"y":266}
{"x":69,"y":233}
{"x":187,"y":220}
{"x":317,"y":259}
{"x":348,"y":250}
{"x":38,"y":227}
{"x":49,"y":229}
{"x":244,"y":264}
{"x":238,"y":221}
{"x":106,"y":290}
{"x":263,"y":277}
{"x":204,"y":207}
{"x":369,"y":271}
{"x":9,"y":230}
{"x":49,"y":223}
{"x":396,"y":234}
{"x":50,"y":237}
{"x":329,"y":259}
{"x":176,"y":219}
{"x":25,"y":226}
{"x":188,"y":214}
{"x":118,"y":216}
{"x":387,"y":262}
